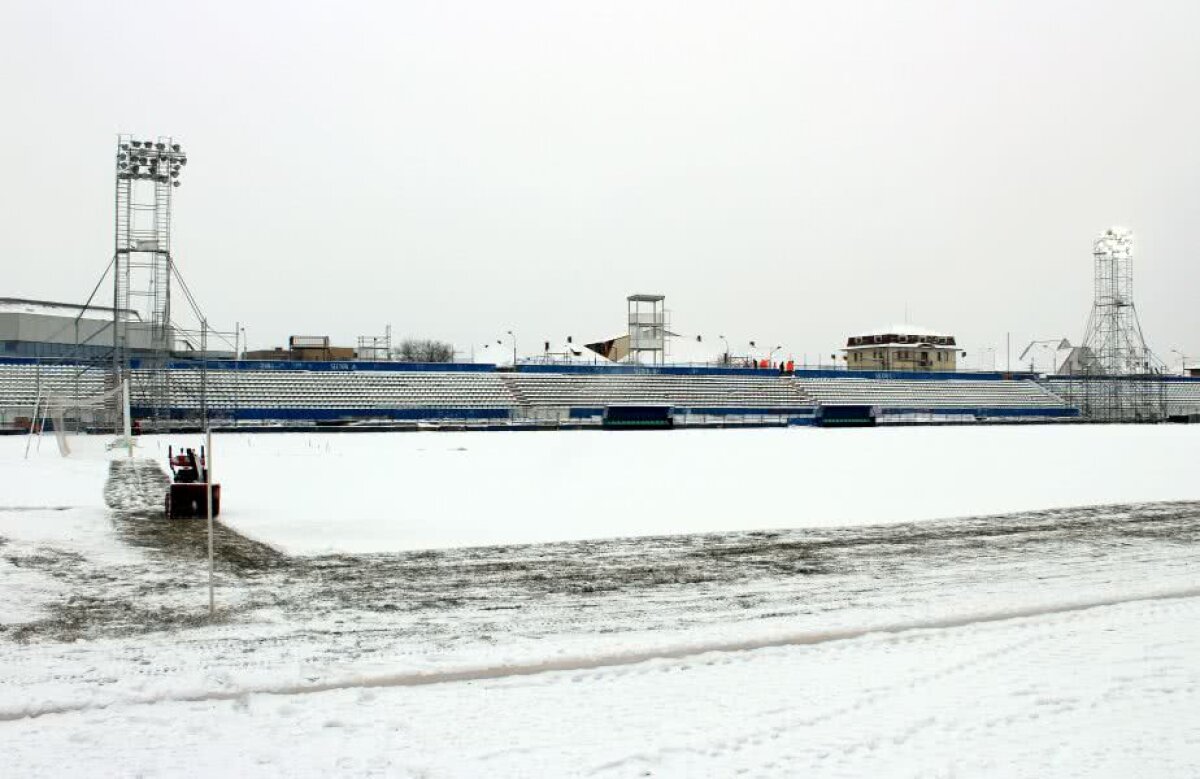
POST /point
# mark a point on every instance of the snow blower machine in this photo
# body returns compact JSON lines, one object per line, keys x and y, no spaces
{"x":188,"y":496}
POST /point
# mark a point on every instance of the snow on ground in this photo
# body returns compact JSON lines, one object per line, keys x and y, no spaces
{"x":381,"y":492}
{"x":1060,"y":641}
{"x":1108,"y":692}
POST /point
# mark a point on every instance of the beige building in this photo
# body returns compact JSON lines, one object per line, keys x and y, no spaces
{"x":901,"y":348}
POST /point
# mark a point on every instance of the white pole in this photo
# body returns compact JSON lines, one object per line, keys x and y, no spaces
{"x":128,"y":429}
{"x":42,"y":428}
{"x":208,"y":477}
{"x":37,"y":401}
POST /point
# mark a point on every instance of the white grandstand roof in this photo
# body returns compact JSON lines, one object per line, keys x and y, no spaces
{"x":52,"y":308}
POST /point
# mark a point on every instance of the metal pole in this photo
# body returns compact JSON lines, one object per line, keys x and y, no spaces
{"x":208,"y":477}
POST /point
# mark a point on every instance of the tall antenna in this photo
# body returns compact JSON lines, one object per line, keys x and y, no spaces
{"x":146,"y":174}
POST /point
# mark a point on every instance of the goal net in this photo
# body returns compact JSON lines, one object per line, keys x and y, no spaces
{"x":60,"y":409}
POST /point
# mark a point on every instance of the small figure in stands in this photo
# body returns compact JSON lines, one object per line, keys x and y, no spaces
{"x":188,"y":495}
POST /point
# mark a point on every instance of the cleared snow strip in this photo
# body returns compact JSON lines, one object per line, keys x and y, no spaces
{"x":613,"y":659}
{"x":135,"y":485}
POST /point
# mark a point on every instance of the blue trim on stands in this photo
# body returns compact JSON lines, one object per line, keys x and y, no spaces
{"x":338,"y":414}
{"x":590,"y":412}
{"x":1057,"y":412}
{"x":826,"y":373}
{"x":747,"y":411}
{"x":803,"y":373}
{"x":649,"y":370}
{"x":333,"y":366}
{"x":336,"y":366}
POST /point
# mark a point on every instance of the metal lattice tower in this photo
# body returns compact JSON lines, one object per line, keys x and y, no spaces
{"x":146,"y":174}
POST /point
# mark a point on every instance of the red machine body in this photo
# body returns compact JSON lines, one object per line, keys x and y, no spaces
{"x":187,"y":497}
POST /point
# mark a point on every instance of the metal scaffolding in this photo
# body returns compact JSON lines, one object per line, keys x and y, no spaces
{"x":375,"y":347}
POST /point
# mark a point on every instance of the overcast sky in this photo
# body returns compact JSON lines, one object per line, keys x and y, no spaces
{"x":786,"y":172}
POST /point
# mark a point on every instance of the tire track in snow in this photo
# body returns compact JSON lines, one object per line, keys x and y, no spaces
{"x":614,"y":659}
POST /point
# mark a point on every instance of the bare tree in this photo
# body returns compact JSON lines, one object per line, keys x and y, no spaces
{"x":424,"y":350}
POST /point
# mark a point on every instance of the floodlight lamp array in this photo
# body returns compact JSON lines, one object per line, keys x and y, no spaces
{"x":150,"y":160}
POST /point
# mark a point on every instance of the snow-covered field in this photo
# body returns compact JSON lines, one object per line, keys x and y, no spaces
{"x":380,"y":492}
{"x":769,"y":602}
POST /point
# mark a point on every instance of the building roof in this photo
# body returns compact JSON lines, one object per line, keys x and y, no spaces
{"x":901,"y":335}
{"x":905,"y":329}
{"x":646,"y":298}
{"x":53,"y":308}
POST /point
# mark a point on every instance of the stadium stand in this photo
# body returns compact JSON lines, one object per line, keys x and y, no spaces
{"x":278,"y":394}
{"x":21,"y":384}
{"x":1180,"y":394}
{"x":1183,"y":397}
{"x":901,"y":397}
{"x":270,"y":392}
{"x":596,"y":390}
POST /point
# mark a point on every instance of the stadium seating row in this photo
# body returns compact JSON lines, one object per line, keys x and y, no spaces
{"x":590,"y":390}
{"x":529,"y":393}
{"x":924,"y":394}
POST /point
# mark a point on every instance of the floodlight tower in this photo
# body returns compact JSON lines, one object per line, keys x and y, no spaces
{"x":1119,"y":385}
{"x":147,"y":172}
{"x":1114,"y":334}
